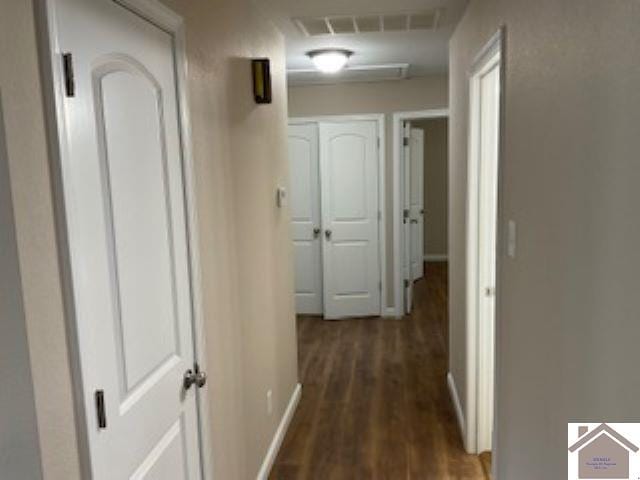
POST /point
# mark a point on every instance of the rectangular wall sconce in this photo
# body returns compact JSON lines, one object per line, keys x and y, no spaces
{"x":261,"y":80}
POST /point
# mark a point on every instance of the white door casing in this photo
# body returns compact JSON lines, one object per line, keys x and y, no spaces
{"x":484,"y":140}
{"x":406,"y":218}
{"x":350,"y":218}
{"x":305,"y":217}
{"x":124,"y":195}
{"x":416,"y":202}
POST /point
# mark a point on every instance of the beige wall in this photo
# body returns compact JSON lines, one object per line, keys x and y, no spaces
{"x":436,"y":181}
{"x":19,"y":446}
{"x":568,"y":303}
{"x":240,"y":158}
{"x":376,"y":97}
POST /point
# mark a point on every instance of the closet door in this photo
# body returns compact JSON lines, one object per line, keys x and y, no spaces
{"x":305,"y":217}
{"x":349,"y":179}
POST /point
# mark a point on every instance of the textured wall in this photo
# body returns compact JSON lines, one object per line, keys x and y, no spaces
{"x":421,"y":93}
{"x":568,"y":303}
{"x":19,"y":446}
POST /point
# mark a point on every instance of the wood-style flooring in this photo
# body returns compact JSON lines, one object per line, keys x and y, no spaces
{"x":375,"y":403}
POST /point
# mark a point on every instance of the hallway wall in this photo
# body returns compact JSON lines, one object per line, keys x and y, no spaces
{"x":420,"y":93}
{"x":247,"y":271}
{"x":568,"y":303}
{"x":436,"y":183}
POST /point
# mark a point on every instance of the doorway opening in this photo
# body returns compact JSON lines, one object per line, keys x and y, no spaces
{"x":420,"y":198}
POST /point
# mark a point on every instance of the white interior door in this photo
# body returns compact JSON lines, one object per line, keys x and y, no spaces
{"x":350,"y":218}
{"x":406,"y":218}
{"x":416,"y":202}
{"x":485,"y":97}
{"x":305,"y":217}
{"x":124,"y":199}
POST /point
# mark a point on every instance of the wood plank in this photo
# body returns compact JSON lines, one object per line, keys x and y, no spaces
{"x":375,"y":403}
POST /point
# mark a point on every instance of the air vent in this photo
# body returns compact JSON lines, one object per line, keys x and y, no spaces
{"x":354,"y":24}
{"x":356,"y":73}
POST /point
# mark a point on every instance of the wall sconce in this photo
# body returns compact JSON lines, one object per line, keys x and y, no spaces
{"x":261,"y":80}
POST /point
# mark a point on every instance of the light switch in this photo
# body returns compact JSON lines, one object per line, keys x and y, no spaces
{"x":281,"y":197}
{"x":511,"y":239}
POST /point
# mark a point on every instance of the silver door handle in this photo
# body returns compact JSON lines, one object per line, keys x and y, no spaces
{"x":413,"y":220}
{"x":327,"y":234}
{"x":316,"y":232}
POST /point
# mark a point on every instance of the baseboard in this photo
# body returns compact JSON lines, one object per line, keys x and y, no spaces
{"x":453,"y":391}
{"x":278,"y":437}
{"x":391,"y":312}
{"x":436,"y":258}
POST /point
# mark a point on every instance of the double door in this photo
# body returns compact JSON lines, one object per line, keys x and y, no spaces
{"x":335,"y":218}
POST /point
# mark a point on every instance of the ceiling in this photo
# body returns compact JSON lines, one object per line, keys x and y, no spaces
{"x":425,"y":49}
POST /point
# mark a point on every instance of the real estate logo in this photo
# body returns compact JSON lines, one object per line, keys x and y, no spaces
{"x":601,"y":450}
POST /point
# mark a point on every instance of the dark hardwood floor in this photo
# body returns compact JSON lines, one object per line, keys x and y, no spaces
{"x":375,"y":403}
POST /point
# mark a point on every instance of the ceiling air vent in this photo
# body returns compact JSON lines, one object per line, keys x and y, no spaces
{"x":355,"y":73}
{"x":354,"y":24}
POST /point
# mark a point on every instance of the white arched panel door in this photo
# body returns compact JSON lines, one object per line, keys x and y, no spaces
{"x":349,"y":178}
{"x":124,"y":194}
{"x":305,"y":217}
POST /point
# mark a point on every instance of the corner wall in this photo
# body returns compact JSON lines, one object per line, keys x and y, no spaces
{"x":568,"y":303}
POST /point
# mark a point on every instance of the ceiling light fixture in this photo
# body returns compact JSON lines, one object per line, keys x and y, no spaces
{"x":330,"y":60}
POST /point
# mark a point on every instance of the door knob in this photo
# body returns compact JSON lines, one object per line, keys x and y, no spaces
{"x":194,"y":377}
{"x":316,"y":232}
{"x":327,"y":234}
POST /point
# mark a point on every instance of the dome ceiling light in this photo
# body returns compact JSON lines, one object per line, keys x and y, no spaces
{"x":330,"y":60}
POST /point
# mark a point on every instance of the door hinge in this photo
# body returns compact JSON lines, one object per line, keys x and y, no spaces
{"x":69,"y":78}
{"x":405,"y":141}
{"x":100,"y":410}
{"x":406,"y":283}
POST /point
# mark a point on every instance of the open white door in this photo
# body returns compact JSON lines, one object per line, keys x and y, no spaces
{"x":305,"y":217}
{"x":416,"y":202}
{"x":350,"y":217}
{"x":406,"y":218}
{"x":482,"y":255}
{"x":124,"y":188}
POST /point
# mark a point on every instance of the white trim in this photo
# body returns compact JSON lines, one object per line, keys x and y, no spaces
{"x":398,"y":118}
{"x":382,"y":154}
{"x":161,"y":16}
{"x":455,"y":399}
{"x":391,"y":313}
{"x":477,"y":379}
{"x":442,"y":257}
{"x":278,"y":437}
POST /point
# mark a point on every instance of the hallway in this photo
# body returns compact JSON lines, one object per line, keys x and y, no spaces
{"x":375,"y":402}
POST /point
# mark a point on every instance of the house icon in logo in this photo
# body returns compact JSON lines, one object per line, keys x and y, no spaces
{"x":603,"y":453}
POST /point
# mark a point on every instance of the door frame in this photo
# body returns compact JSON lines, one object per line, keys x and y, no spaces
{"x":382,"y":248}
{"x":53,"y":93}
{"x":481,"y":385}
{"x":398,"y":190}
